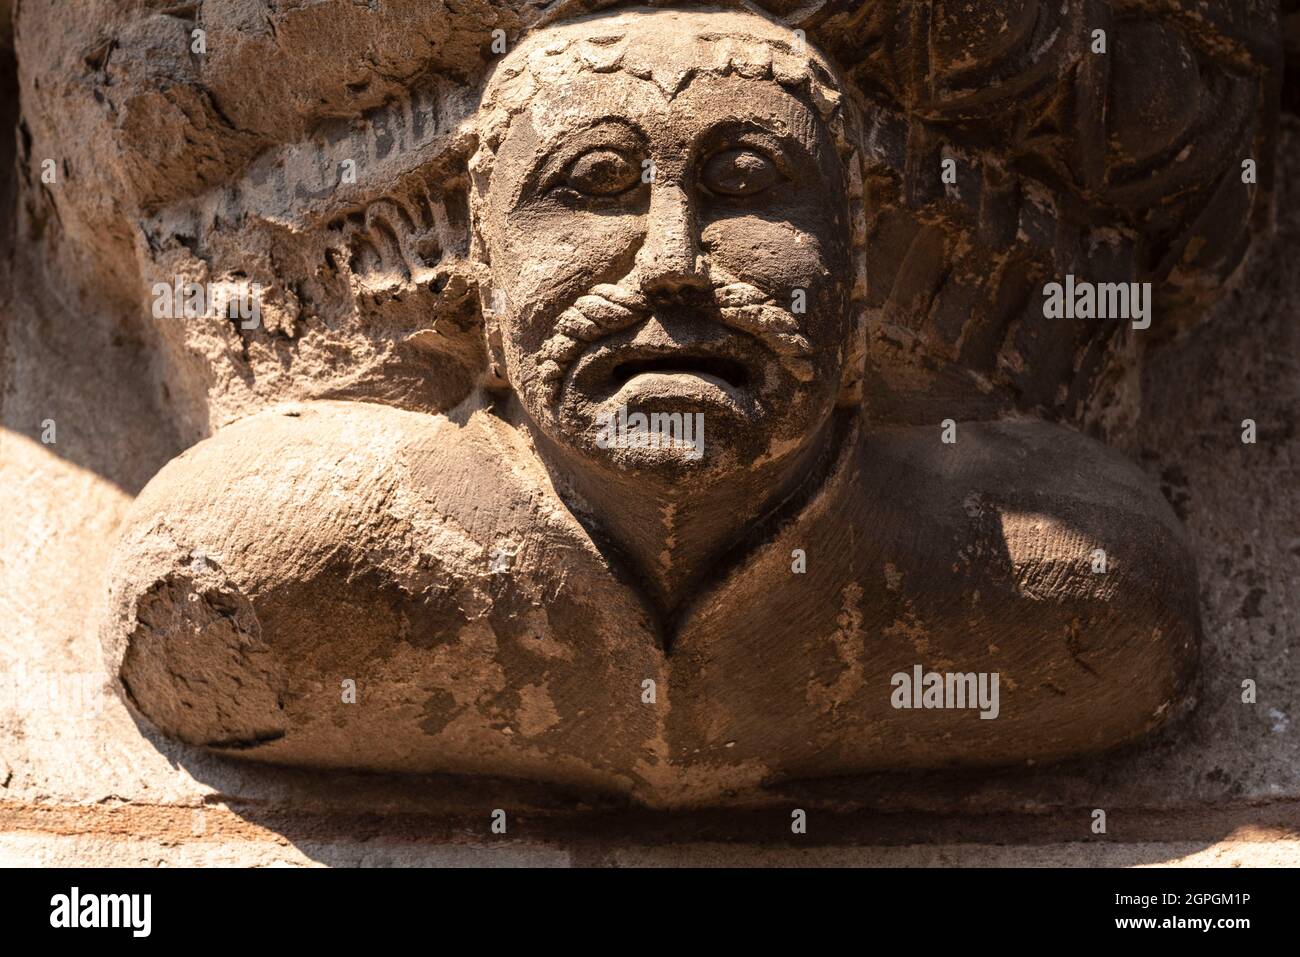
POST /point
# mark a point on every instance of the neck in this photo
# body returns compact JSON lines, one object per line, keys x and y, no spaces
{"x":672,"y":528}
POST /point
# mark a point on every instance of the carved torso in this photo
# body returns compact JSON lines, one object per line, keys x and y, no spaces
{"x":491,"y":634}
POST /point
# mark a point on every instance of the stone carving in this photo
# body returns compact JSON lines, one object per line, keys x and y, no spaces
{"x":446,"y":548}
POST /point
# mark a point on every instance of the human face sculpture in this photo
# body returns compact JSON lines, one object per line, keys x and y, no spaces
{"x":664,"y":218}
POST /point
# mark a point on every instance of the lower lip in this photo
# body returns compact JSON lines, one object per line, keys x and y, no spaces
{"x":693,"y":384}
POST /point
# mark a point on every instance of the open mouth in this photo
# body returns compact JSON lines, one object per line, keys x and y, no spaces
{"x":729,"y":371}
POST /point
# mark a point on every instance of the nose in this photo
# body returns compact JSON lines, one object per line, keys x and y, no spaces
{"x":669,"y":261}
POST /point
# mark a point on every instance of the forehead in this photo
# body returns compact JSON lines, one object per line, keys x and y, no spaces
{"x":658,"y":68}
{"x":705,"y":102}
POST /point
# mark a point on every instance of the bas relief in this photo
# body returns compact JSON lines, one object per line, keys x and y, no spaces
{"x":698,"y":214}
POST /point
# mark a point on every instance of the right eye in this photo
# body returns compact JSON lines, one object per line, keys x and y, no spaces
{"x":603,"y":172}
{"x":740,"y":173}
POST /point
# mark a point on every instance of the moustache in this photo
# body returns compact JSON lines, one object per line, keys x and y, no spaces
{"x":609,"y":308}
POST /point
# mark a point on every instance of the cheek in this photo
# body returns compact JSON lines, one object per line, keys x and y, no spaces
{"x":779,"y":258}
{"x":550,"y":260}
{"x":774,"y":256}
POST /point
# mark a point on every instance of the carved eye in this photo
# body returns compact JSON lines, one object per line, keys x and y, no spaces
{"x":603,"y":172}
{"x":740,"y":172}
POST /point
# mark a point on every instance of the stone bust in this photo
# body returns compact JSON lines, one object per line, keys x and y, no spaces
{"x":666,"y":218}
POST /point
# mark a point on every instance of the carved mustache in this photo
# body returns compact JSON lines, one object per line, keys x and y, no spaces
{"x":609,"y":308}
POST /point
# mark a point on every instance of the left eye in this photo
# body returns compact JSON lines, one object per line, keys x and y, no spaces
{"x":740,"y":172}
{"x":603,"y":172}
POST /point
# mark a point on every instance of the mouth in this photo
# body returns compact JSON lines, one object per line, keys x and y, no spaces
{"x":727,"y":371}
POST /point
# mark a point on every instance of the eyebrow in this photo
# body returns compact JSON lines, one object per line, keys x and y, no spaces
{"x":567,"y":144}
{"x":788,"y":144}
{"x":599,"y":124}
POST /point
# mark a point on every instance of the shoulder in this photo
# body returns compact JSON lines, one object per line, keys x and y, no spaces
{"x":979,"y":557}
{"x":1046,"y":493}
{"x":300,"y":481}
{"x":302,"y":511}
{"x":1059,"y":550}
{"x":303,"y":550}
{"x":1019,"y":462}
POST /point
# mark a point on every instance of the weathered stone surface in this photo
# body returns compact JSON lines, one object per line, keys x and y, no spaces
{"x":359,"y":532}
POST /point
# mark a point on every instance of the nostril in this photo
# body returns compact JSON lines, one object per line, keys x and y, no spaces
{"x":673,"y":276}
{"x":676,"y":286}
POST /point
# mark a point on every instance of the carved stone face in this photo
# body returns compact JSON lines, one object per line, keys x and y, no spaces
{"x":668,"y":238}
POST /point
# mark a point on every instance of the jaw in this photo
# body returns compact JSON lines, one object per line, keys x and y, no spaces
{"x":724,"y":445}
{"x":669,"y":412}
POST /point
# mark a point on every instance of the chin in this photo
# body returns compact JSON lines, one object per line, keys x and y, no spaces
{"x":671,"y":440}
